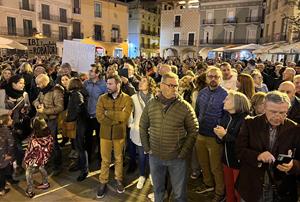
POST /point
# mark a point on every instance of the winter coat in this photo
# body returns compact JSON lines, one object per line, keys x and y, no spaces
{"x":209,"y":109}
{"x":113,"y":115}
{"x":168,"y":134}
{"x":233,"y":123}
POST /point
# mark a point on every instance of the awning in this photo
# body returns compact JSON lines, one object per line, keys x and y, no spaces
{"x":204,"y":51}
{"x":222,"y":49}
{"x":249,"y":47}
{"x":11,"y":44}
{"x":265,"y":49}
{"x":287,"y":49}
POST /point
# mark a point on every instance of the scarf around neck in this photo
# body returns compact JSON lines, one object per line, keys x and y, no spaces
{"x":13,"y":93}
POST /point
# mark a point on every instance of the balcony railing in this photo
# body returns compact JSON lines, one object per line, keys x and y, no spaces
{"x":274,"y":38}
{"x":116,"y":40}
{"x":55,"y":18}
{"x":98,"y":37}
{"x":149,"y":46}
{"x":209,"y":21}
{"x":231,"y":20}
{"x":253,"y":19}
{"x":183,"y":43}
{"x":146,"y":32}
{"x":77,"y":35}
{"x":17,"y":32}
{"x":76,"y":10}
{"x":28,"y":7}
{"x":224,"y":41}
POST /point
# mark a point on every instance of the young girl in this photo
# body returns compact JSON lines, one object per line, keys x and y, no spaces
{"x":38,"y":154}
{"x":6,"y":151}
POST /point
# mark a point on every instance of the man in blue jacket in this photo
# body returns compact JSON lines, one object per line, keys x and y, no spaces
{"x":95,"y":86}
{"x":209,"y":111}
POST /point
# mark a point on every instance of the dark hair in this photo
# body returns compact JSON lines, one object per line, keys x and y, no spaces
{"x":75,"y":84}
{"x":116,"y":77}
{"x":40,"y":127}
{"x":66,"y":65}
{"x":98,"y":68}
{"x":15,"y":79}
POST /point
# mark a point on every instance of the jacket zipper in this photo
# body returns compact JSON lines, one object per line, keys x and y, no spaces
{"x":226,"y":157}
{"x":112,"y":127}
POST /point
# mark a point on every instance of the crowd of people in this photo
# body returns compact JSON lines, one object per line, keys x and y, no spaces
{"x":231,"y":124}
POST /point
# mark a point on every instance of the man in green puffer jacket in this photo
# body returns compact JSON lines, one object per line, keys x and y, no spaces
{"x":168,"y":129}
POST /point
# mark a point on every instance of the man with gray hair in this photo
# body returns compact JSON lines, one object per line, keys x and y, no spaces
{"x":262,"y":140}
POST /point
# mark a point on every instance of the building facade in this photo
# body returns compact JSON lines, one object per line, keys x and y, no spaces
{"x":180,"y":25}
{"x":277,"y":24}
{"x":105,"y":22}
{"x":18,"y":19}
{"x":230,"y":22}
{"x":144,"y":29}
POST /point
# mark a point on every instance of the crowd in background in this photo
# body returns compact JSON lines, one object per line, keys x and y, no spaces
{"x":178,"y":116}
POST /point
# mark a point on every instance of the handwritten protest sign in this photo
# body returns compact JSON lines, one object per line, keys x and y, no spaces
{"x":41,"y":46}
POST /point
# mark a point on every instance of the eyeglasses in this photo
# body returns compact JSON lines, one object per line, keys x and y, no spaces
{"x":171,"y":85}
{"x":213,"y":76}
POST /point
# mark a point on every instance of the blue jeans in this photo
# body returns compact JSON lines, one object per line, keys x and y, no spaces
{"x":56,"y":152}
{"x":143,"y":160}
{"x":177,"y":171}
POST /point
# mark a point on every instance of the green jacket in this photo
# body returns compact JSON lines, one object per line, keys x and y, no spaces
{"x":113,"y":115}
{"x":171,"y":134}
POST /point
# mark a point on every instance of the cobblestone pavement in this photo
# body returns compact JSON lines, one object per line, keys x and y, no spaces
{"x":65,"y":188}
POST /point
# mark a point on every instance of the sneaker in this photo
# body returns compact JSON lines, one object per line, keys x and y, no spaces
{"x":194,"y":175}
{"x":4,"y":191}
{"x":204,"y":189}
{"x":30,"y":194}
{"x":141,"y":182}
{"x":101,"y":191}
{"x":120,"y":187}
{"x":151,"y":197}
{"x":43,"y":186}
{"x":218,"y":198}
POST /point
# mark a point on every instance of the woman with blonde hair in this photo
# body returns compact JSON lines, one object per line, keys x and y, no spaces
{"x":186,"y":87}
{"x":237,"y":107}
{"x":245,"y":84}
{"x":27,"y":73}
{"x":147,"y":88}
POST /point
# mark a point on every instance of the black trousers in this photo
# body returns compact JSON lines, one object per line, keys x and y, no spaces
{"x":91,"y":144}
{"x":5,"y":173}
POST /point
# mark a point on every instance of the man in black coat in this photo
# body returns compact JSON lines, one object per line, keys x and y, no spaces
{"x":261,"y":139}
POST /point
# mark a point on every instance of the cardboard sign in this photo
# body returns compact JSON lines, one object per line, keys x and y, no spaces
{"x":80,"y":56}
{"x":41,"y":46}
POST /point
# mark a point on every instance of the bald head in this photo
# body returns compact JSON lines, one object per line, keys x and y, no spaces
{"x":289,"y":88}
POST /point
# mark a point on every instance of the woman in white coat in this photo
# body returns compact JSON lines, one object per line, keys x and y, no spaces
{"x":146,"y":91}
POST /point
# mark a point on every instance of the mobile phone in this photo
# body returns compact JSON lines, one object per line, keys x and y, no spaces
{"x":283,"y":158}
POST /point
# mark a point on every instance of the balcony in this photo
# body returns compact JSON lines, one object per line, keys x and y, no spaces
{"x":76,"y":10}
{"x":253,"y":19}
{"x":27,"y":7}
{"x":20,"y":32}
{"x":145,"y":32}
{"x":77,"y":35}
{"x":231,"y":20}
{"x":55,"y":18}
{"x":224,"y":41}
{"x":183,"y":43}
{"x":116,"y":40}
{"x":98,"y":37}
{"x":209,"y":21}
{"x":274,"y":38}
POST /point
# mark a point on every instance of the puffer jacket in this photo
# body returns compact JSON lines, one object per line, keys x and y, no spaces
{"x":209,"y":109}
{"x":53,"y":102}
{"x":168,"y":134}
{"x":113,"y":115}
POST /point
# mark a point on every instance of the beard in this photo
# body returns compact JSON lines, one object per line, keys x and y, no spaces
{"x":213,"y":84}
